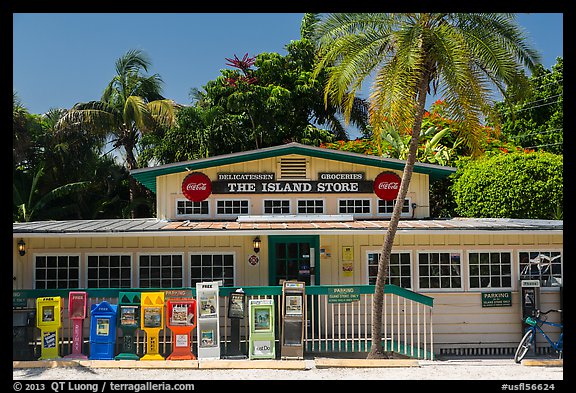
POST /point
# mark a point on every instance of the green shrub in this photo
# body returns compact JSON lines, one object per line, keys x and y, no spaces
{"x":515,"y":185}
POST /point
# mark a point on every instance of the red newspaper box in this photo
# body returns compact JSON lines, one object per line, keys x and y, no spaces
{"x":77,"y":314}
{"x":181,"y":320}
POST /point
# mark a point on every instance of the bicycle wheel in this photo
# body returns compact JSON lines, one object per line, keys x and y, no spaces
{"x":524,"y":346}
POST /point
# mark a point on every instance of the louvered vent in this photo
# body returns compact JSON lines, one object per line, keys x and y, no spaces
{"x":293,"y":168}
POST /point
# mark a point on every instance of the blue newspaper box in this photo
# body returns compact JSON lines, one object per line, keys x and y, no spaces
{"x":102,"y":331}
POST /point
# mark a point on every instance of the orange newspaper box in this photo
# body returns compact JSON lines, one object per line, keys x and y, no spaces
{"x":181,"y":320}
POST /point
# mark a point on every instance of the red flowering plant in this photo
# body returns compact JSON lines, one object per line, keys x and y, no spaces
{"x":243,"y":65}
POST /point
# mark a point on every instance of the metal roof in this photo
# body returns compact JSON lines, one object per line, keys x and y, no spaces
{"x":147,"y":176}
{"x":156,"y":227}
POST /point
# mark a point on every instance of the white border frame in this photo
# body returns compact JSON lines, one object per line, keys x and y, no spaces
{"x":513,"y":275}
{"x":81,"y":268}
{"x":99,"y":254}
{"x":517,"y":270}
{"x":290,"y":207}
{"x":309,"y":199}
{"x":371,"y":207}
{"x":212,"y":252}
{"x":189,"y":216}
{"x":374,"y":251}
{"x":136,"y":265}
{"x":388,"y":215}
{"x":463,"y":273}
{"x":217,"y":215}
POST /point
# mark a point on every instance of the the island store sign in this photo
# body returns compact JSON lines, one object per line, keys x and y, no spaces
{"x":197,"y":186}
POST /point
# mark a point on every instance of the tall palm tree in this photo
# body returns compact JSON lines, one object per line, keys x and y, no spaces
{"x":130,"y":105}
{"x":461,"y":56}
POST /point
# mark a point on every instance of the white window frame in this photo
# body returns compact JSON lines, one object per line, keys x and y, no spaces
{"x":177,"y":215}
{"x":323,"y":200}
{"x":226,"y":215}
{"x":463,"y":273}
{"x":403,"y":214}
{"x":489,"y":289}
{"x":290,"y":207}
{"x":137,"y":264}
{"x":374,"y":251}
{"x":212,"y":253}
{"x":370,"y":207}
{"x":106,"y":254}
{"x":535,"y":249}
{"x":58,"y":254}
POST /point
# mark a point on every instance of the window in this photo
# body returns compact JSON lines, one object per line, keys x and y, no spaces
{"x":439,"y":270}
{"x":189,"y":208}
{"x":311,"y":206}
{"x":386,"y":207}
{"x":545,"y":266}
{"x":490,"y":269}
{"x":57,"y":272}
{"x":109,"y":271}
{"x":277,"y":206}
{"x":161,"y":271}
{"x":354,"y":206}
{"x":212,"y":267}
{"x":232,"y":207}
{"x":398,"y":270}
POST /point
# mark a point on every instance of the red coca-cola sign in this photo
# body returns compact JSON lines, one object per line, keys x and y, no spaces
{"x":387,"y":185}
{"x":196,"y":187}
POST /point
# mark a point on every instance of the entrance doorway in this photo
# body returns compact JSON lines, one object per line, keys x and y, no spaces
{"x":294,"y":258}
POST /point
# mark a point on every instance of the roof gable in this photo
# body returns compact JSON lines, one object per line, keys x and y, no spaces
{"x":147,"y":176}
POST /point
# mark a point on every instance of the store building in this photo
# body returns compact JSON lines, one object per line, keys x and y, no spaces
{"x":316,"y":215}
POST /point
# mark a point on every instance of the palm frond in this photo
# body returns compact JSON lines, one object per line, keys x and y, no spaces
{"x":164,"y":112}
{"x":136,"y":111}
{"x":94,"y":116}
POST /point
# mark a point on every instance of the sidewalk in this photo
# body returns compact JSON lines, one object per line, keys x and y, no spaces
{"x":308,"y":369}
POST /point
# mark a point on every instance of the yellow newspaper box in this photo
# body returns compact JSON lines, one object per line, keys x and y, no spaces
{"x":152,"y":321}
{"x":49,"y":321}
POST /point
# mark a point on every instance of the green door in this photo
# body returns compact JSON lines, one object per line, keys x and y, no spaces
{"x":294,"y":258}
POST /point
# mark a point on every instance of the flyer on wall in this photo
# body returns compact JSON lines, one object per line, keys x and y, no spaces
{"x":293,"y":305}
{"x":180,"y":315}
{"x":152,"y":317}
{"x":207,"y":338}
{"x":262,"y":319}
{"x":128,"y":316}
{"x":208,"y":304}
{"x":236,"y":309}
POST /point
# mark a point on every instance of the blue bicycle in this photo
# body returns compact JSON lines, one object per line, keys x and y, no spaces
{"x":535,"y":325}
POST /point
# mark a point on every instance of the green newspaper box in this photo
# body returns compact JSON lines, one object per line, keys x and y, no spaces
{"x":128,"y":321}
{"x":262,"y":335}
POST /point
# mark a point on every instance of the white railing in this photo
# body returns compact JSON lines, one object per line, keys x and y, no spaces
{"x":407,"y":327}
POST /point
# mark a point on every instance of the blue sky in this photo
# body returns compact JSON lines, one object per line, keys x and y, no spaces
{"x":60,"y":59}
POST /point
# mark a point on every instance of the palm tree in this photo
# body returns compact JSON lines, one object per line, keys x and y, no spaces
{"x":461,"y":56}
{"x":28,"y":205}
{"x":130,"y":105}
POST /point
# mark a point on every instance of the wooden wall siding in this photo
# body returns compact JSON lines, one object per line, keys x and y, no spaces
{"x":168,"y":187}
{"x":459,"y":318}
{"x":330,"y":267}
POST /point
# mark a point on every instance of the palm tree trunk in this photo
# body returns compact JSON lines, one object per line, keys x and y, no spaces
{"x":132,"y":185}
{"x":377,"y":350}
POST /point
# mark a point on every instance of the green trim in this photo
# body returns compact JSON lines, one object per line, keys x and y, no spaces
{"x":225,"y":291}
{"x":147,"y":176}
{"x":313,"y":240}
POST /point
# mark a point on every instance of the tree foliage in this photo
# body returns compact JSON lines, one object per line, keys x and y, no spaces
{"x":62,"y":175}
{"x":531,"y":114}
{"x":260,"y":101}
